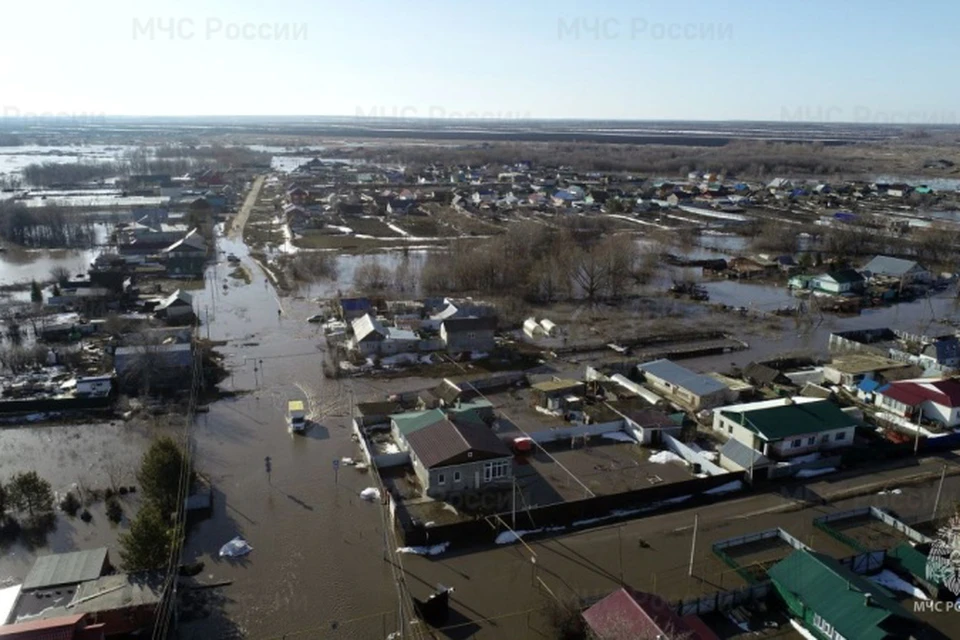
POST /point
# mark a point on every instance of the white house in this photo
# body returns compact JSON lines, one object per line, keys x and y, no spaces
{"x":838,"y":282}
{"x":786,"y":427}
{"x":906,"y":271}
{"x":937,"y":400}
{"x":687,"y":388}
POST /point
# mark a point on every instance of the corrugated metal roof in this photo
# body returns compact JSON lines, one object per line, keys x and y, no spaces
{"x":741,"y":454}
{"x":784,"y":421}
{"x":893,"y":267}
{"x":407,"y":423}
{"x":839,"y":596}
{"x":62,"y":628}
{"x":696,"y":383}
{"x":437,"y":443}
{"x":65,"y":568}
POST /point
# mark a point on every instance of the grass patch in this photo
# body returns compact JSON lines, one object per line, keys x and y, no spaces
{"x":370,"y":227}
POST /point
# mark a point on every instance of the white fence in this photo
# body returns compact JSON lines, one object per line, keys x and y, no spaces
{"x":692,"y":456}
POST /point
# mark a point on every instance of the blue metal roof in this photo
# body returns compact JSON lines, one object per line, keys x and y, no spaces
{"x":696,"y":383}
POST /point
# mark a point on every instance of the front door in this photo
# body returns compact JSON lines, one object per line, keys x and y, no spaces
{"x":476,"y":479}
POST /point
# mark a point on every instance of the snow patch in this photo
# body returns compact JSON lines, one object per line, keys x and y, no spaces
{"x":890,"y":492}
{"x":892,"y":581}
{"x":370,"y":494}
{"x":663,"y":457}
{"x":8,"y":599}
{"x":235,"y":548}
{"x":433,"y":550}
{"x":509,"y":537}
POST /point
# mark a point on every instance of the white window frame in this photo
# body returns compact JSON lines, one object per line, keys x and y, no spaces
{"x":495,"y":470}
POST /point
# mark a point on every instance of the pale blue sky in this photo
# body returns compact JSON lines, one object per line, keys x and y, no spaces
{"x":821,"y":60}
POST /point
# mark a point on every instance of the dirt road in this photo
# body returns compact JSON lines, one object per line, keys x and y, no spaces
{"x":240,"y":220}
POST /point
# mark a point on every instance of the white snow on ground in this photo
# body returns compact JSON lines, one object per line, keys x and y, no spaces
{"x":425,"y":551}
{"x":736,"y":485}
{"x":390,"y":447}
{"x":8,"y":599}
{"x":398,"y":229}
{"x":620,"y":436}
{"x":645,"y":223}
{"x":663,"y":457}
{"x":712,"y":456}
{"x":892,"y":581}
{"x":813,"y":473}
{"x":370,"y":494}
{"x":801,"y":630}
{"x":509,"y":537}
{"x":886,"y":492}
{"x":340,"y":229}
{"x":478,"y":355}
{"x":711,"y":213}
{"x":400,"y":358}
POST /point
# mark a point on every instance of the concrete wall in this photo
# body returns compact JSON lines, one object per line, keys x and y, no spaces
{"x":691,"y":456}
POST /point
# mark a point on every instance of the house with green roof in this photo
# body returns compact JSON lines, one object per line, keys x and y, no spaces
{"x":844,"y":281}
{"x":786,"y":427}
{"x":834,"y":603}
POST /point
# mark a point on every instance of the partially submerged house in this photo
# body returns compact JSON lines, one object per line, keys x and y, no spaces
{"x":371,"y":337}
{"x":904,"y":271}
{"x":453,"y":451}
{"x":187,"y":256}
{"x":844,"y":281}
{"x":177,"y":308}
{"x":558,"y":394}
{"x":154,"y":367}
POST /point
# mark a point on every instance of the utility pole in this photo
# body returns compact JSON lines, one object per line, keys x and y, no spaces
{"x":513,"y":506}
{"x":206,"y":312}
{"x":620,"y":551}
{"x":693,"y":543}
{"x":936,"y":503}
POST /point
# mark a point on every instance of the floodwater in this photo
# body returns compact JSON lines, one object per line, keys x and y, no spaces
{"x":18,"y":265}
{"x":14,"y":159}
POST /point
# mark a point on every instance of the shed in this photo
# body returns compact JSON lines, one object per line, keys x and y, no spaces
{"x":67,"y":568}
{"x":691,"y":390}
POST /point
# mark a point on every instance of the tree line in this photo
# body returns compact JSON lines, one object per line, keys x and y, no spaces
{"x":49,"y":227}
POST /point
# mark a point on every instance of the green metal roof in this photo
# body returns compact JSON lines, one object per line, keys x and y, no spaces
{"x":838,"y":595}
{"x":778,"y":423}
{"x":913,"y":561}
{"x":407,"y":423}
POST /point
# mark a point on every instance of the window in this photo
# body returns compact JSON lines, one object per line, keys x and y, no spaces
{"x":842,"y":435}
{"x":441,"y":478}
{"x":825,"y":437}
{"x":811,"y":440}
{"x":471,"y":335}
{"x":495,"y":470}
{"x":797,"y":443}
{"x":456,"y":476}
{"x":730,"y":428}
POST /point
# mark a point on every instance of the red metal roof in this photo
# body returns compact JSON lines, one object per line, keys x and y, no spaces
{"x":625,"y":616}
{"x":913,"y":392}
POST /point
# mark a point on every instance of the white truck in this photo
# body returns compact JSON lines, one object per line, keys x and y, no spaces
{"x":296,"y":416}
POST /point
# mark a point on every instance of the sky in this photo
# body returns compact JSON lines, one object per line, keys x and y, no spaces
{"x":868,"y":61}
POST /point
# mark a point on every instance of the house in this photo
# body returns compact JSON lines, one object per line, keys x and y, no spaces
{"x":935,"y":400}
{"x":835,"y":603}
{"x":749,"y":267}
{"x":187,"y":256}
{"x":558,"y":394}
{"x":840,"y":282}
{"x":764,"y":375}
{"x":154,"y":367}
{"x":353,"y":308}
{"x":70,"y":627}
{"x":446,"y":394}
{"x":468,"y":334}
{"x":177,"y":308}
{"x":852,"y":368}
{"x":94,"y":386}
{"x":786,"y":427}
{"x":905,"y":271}
{"x":370,"y":337}
{"x":942,"y":353}
{"x":651,"y":424}
{"x":126,"y":604}
{"x":453,"y":452}
{"x":686,"y":388}
{"x":629,"y":615}
{"x":298,"y":195}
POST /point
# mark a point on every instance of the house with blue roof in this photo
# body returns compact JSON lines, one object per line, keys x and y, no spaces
{"x":688,"y":389}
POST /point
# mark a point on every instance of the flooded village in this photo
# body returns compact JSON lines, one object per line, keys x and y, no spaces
{"x":286,"y":386}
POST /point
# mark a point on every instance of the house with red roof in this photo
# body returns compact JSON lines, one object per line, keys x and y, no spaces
{"x":935,"y":400}
{"x":627,"y":615}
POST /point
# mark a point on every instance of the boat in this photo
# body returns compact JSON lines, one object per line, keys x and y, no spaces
{"x":296,"y":416}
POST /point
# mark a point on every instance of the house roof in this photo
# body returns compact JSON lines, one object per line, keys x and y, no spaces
{"x":845,"y":276}
{"x":65,"y":568}
{"x":439,"y":442}
{"x":696,"y":383}
{"x":945,"y":393}
{"x":740,"y":454}
{"x":190,"y":242}
{"x":110,"y":593}
{"x":792,"y":418}
{"x":365,"y":326}
{"x":452,"y":325}
{"x":179,"y":296}
{"x":893,"y":267}
{"x":412,"y":421}
{"x":943,"y":349}
{"x":623,"y":615}
{"x":761,"y":373}
{"x":839,"y":596}
{"x":553,"y":386}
